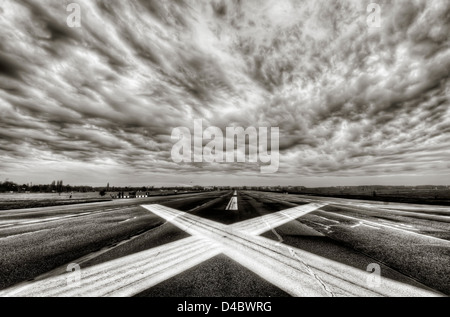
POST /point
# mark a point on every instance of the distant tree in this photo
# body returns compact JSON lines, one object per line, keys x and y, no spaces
{"x":107,"y":187}
{"x":59,"y":186}
{"x":103,"y":192}
{"x":8,"y":186}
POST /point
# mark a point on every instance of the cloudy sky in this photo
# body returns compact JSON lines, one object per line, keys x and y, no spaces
{"x":354,"y":104}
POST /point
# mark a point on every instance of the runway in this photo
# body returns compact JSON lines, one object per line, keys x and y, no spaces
{"x":205,"y":240}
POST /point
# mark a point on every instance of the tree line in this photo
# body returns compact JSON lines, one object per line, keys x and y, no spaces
{"x":54,"y":187}
{"x":58,"y":186}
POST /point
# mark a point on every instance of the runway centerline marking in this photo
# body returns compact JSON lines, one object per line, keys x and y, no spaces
{"x":233,"y":204}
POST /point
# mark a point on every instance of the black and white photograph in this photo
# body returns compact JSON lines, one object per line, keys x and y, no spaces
{"x":237,"y":150}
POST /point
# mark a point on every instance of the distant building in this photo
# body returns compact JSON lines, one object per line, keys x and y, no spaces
{"x":130,"y":195}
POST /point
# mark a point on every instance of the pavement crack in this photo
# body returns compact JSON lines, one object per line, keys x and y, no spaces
{"x":280,"y":239}
{"x":314,"y":275}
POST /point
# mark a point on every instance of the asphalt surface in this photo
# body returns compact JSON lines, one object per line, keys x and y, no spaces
{"x":252,"y":251}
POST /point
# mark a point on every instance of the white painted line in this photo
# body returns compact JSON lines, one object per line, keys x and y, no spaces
{"x":258,"y":226}
{"x":15,"y":236}
{"x":233,"y":204}
{"x":329,"y":219}
{"x":393,"y":228}
{"x":373,"y":227}
{"x":125,"y":276}
{"x":321,"y":224}
{"x":64,"y":217}
{"x":129,"y":219}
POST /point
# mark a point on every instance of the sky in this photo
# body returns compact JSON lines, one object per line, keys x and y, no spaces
{"x":355,"y":104}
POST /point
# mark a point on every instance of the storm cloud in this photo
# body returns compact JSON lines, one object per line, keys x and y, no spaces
{"x":352,"y":102}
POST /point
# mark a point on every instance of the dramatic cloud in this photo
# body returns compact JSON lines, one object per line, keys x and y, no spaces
{"x":354,"y":104}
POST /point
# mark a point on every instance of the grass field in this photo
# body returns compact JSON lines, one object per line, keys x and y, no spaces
{"x":411,"y":195}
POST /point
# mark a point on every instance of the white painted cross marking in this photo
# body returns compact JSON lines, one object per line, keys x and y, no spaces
{"x":295,"y":271}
